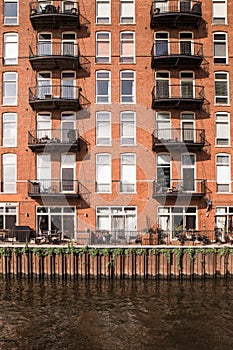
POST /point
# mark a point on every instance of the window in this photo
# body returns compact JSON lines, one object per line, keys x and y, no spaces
{"x":68,"y":125}
{"x":103,"y":47}
{"x":176,"y":219}
{"x":43,"y":125}
{"x":163,"y":125}
{"x":128,"y":172}
{"x":161,"y":44}
{"x":163,"y":171}
{"x":128,"y":128}
{"x":188,"y":172}
{"x":68,"y":161}
{"x":55,"y":219}
{"x":68,"y":83}
{"x":8,"y":215}
{"x":10,"y":48}
{"x":103,"y":128}
{"x":9,"y":172}
{"x":44,"y":171}
{"x":127,"y":87}
{"x":10,"y":12}
{"x":127,"y":47}
{"x":103,"y":12}
{"x":44,"y":44}
{"x":120,"y":221}
{"x":223,"y":172}
{"x":186,"y":45}
{"x":9,"y":130}
{"x":224,"y":219}
{"x":127,"y":11}
{"x":68,"y":44}
{"x":188,"y":127}
{"x":10,"y":88}
{"x":219,"y":11}
{"x":44,"y":85}
{"x":103,"y":87}
{"x":220,"y":48}
{"x":103,"y":173}
{"x":162,"y":86}
{"x":222,"y":129}
{"x":221,"y":88}
{"x":187,"y":84}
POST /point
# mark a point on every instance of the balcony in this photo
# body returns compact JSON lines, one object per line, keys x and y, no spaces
{"x":179,"y":139}
{"x":180,"y":96}
{"x":186,"y":188}
{"x":56,"y":140}
{"x":50,"y":188}
{"x":57,"y":97}
{"x":45,"y":15}
{"x":175,"y":14}
{"x":178,"y":54}
{"x":60,"y":56}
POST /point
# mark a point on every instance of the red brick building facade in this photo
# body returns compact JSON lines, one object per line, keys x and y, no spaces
{"x":116,"y":115}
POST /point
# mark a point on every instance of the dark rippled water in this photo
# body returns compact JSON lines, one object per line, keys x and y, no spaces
{"x":116,"y":314}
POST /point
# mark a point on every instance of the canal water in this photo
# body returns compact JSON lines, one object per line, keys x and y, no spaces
{"x":121,"y":314}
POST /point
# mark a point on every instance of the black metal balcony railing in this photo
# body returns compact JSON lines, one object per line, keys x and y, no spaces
{"x":58,"y":14}
{"x":170,"y":188}
{"x":47,"y":55}
{"x":54,"y":139}
{"x":58,"y":188}
{"x":51,"y":97}
{"x":174,"y":13}
{"x":169,"y":54}
{"x":192,"y":139}
{"x":184,"y":95}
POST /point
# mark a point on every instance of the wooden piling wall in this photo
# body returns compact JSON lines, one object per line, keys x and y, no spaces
{"x":146,"y":262}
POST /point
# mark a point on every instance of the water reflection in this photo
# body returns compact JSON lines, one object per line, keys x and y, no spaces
{"x":116,"y":314}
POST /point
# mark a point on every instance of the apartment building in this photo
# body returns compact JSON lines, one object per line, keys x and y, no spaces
{"x":116,"y":115}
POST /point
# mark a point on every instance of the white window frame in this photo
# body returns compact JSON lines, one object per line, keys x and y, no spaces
{"x":10,"y":99}
{"x":163,"y":161}
{"x":167,"y":214}
{"x":224,"y":81}
{"x":103,"y":18}
{"x":216,"y":43}
{"x":123,"y":6}
{"x":128,"y":98}
{"x":219,"y":12}
{"x":9,"y":160}
{"x":124,"y":40}
{"x":7,"y":210}
{"x":189,"y":166}
{"x":103,"y":39}
{"x":47,"y":213}
{"x":128,"y":165}
{"x":68,"y":85}
{"x":12,"y":21}
{"x":43,"y":162}
{"x":163,"y":125}
{"x":68,"y":161}
{"x":43,"y":125}
{"x":103,"y":172}
{"x":222,"y":119}
{"x":9,"y":129}
{"x":103,"y":128}
{"x":224,"y":177}
{"x":69,"y":47}
{"x":10,"y":49}
{"x":128,"y":128}
{"x":44,"y":44}
{"x":103,"y":76}
{"x":187,"y":81}
{"x":44,"y":84}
